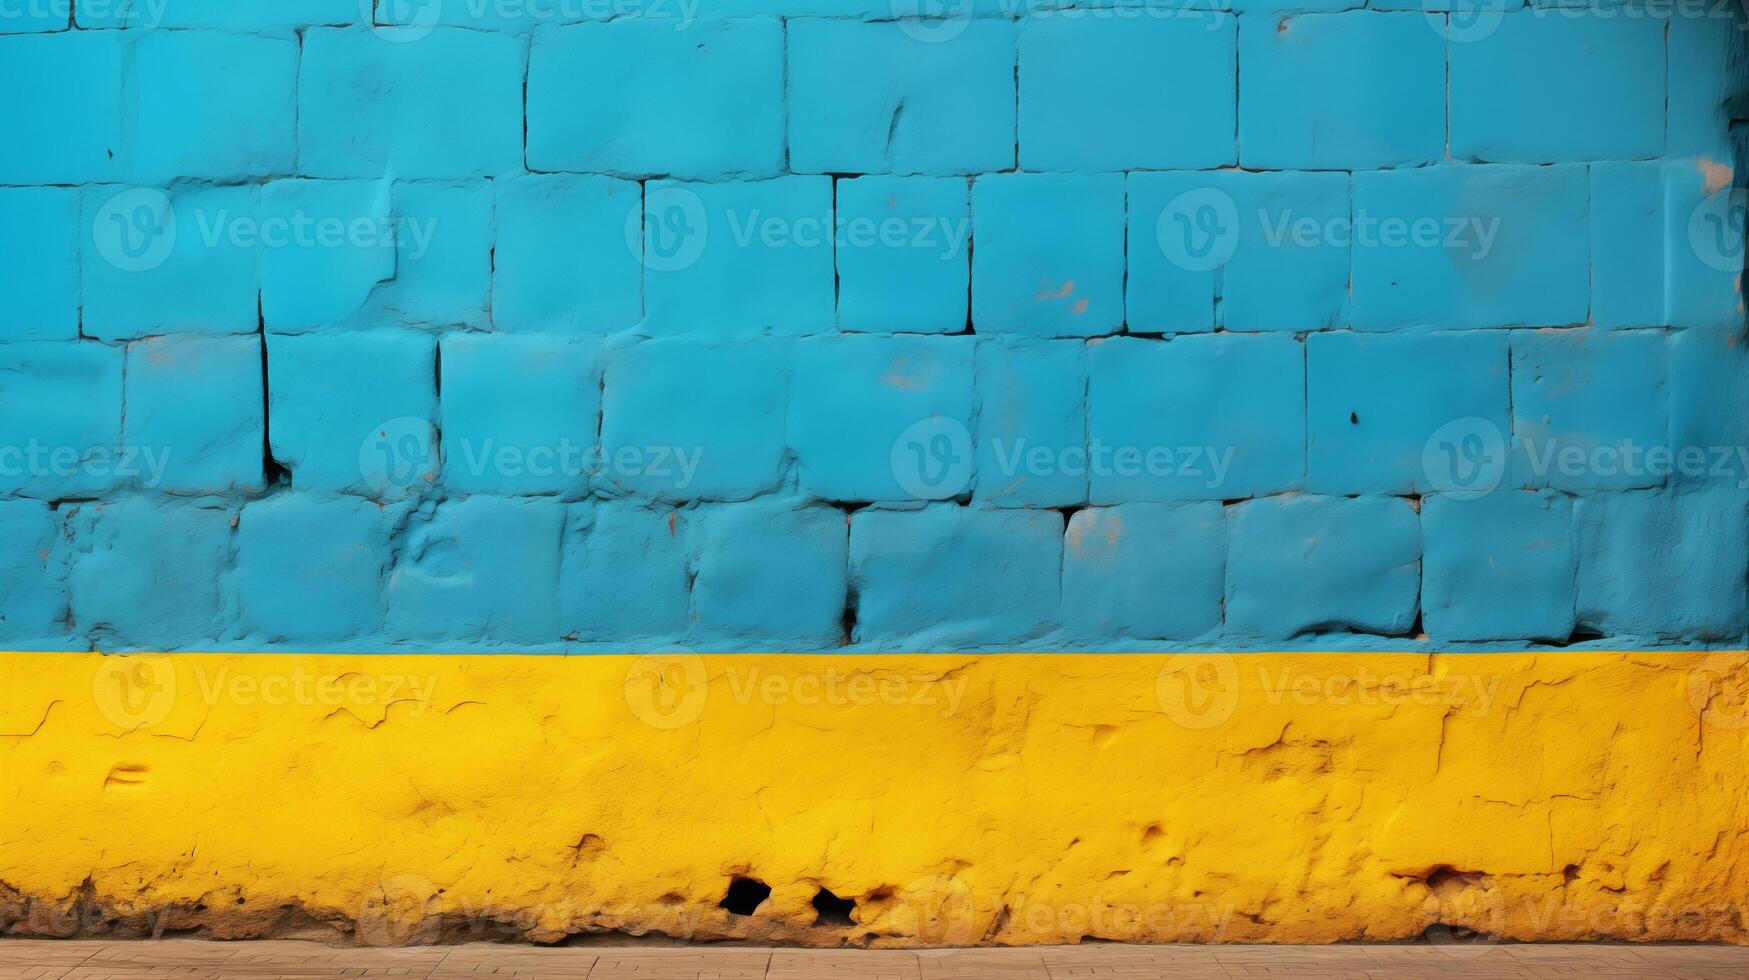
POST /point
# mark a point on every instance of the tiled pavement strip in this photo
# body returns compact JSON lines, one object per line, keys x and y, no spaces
{"x":189,"y":959}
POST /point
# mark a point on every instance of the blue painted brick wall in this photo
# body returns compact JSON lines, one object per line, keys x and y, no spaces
{"x":811,"y":325}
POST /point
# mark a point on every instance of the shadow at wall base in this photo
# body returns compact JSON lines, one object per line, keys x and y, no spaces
{"x":879,"y":800}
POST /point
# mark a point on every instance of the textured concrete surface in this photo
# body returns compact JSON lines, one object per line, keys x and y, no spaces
{"x":175,"y":959}
{"x":351,"y":327}
{"x":881,"y":801}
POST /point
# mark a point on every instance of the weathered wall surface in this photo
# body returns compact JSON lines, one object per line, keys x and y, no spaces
{"x":798,"y":326}
{"x":951,"y":799}
{"x":766,"y":326}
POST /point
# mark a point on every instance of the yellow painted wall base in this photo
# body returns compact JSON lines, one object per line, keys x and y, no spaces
{"x":956,"y":799}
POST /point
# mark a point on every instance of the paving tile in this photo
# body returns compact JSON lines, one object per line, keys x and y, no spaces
{"x":184,"y":959}
{"x":48,"y":952}
{"x":681,"y":964}
{"x":982,"y":964}
{"x":843,"y":964}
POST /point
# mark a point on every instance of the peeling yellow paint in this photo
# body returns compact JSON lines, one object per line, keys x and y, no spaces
{"x":956,"y":799}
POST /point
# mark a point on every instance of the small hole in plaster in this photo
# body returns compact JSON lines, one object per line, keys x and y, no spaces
{"x":745,"y":896}
{"x":834,"y":911}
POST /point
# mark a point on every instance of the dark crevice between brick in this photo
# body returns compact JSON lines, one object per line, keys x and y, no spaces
{"x":833,"y":911}
{"x":273,"y":472}
{"x":745,"y":895}
{"x":847,"y":618}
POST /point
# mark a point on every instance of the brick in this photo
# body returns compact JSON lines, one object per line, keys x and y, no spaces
{"x":1210,"y":417}
{"x":1485,"y":246}
{"x":1244,"y":251}
{"x":1499,"y":566}
{"x":563,"y":259}
{"x":1379,"y":407}
{"x":1586,"y":408}
{"x":1145,"y":571}
{"x":1610,"y":67}
{"x":148,"y":572}
{"x":704,"y":103}
{"x":353,"y":411}
{"x":39,"y":263}
{"x":627,"y":572}
{"x":1049,"y":257}
{"x":903,"y":254}
{"x":33,"y":573}
{"x":519,"y":18}
{"x":1705,"y":208}
{"x":156,"y":262}
{"x":449,"y":105}
{"x":327,"y":247}
{"x":1667,"y":245}
{"x":63,"y":125}
{"x":1627,"y":244}
{"x":519,"y":413}
{"x":443,"y":255}
{"x":1709,"y":407}
{"x":870,"y":98}
{"x":740,"y":257}
{"x":195,"y":403}
{"x":212,"y":105}
{"x":1106,"y":94}
{"x":1656,"y":566}
{"x":689,"y":419}
{"x":860,"y":406}
{"x":771,"y":576}
{"x":923,"y":577}
{"x":39,"y":17}
{"x":482,"y":571}
{"x":1341,"y":91}
{"x":60,"y":418}
{"x":311,"y":569}
{"x":1031,"y":422}
{"x":221,"y":15}
{"x":1702,"y":50}
{"x":1302,"y":565}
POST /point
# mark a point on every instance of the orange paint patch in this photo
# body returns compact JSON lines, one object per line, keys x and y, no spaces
{"x":1717,"y":174}
{"x":1064,"y":291}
